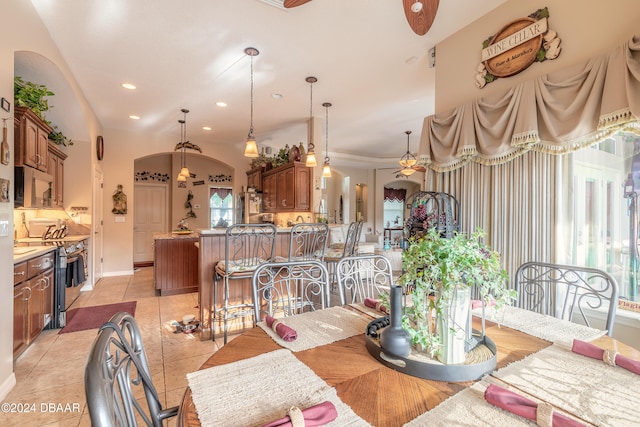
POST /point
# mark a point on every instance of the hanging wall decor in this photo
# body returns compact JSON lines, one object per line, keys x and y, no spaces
{"x":5,"y":184}
{"x":5,"y":150}
{"x":119,"y":201}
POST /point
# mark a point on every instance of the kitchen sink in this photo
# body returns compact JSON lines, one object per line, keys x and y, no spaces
{"x":22,"y":251}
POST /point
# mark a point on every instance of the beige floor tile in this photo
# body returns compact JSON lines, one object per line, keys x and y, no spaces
{"x":51,"y":370}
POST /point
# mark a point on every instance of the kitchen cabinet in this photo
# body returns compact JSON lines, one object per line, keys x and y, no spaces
{"x":175,"y":263}
{"x":56,"y":170}
{"x":287,"y":188}
{"x":31,"y":139}
{"x":32,"y":300}
{"x":254,"y":179}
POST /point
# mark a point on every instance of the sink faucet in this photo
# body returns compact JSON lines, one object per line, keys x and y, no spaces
{"x":299,"y":218}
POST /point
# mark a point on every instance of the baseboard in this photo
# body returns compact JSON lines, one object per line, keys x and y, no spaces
{"x":7,"y":386}
{"x":118,"y":273}
{"x":143,"y":264}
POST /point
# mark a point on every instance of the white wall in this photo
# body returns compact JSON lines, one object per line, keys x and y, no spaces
{"x":22,"y":30}
{"x":587,"y":28}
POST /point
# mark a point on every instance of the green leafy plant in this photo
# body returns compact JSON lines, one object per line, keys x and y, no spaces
{"x":59,"y":138}
{"x":32,"y":96}
{"x":434,"y":266}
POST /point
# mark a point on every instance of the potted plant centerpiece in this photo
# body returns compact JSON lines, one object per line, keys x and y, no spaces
{"x":440,"y":274}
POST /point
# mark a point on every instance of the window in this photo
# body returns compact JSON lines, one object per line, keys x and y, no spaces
{"x":601,"y":219}
{"x":221,"y":206}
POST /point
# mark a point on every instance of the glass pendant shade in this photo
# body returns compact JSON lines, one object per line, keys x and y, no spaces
{"x":407,"y":171}
{"x":251,"y":148}
{"x":182,"y":178}
{"x":326,"y":169}
{"x":311,"y":159}
{"x":185,"y":171}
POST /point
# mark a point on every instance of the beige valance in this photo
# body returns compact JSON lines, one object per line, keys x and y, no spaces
{"x":555,"y":113}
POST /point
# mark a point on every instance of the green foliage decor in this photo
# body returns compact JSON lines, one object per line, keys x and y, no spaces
{"x":434,"y":266}
{"x":34,"y":96}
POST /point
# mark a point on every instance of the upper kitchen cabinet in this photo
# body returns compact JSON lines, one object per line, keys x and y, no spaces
{"x":254,"y":179}
{"x":287,"y":188}
{"x":56,"y":170}
{"x":31,"y":139}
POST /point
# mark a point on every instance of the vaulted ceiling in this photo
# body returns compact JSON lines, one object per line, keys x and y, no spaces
{"x":190,"y":54}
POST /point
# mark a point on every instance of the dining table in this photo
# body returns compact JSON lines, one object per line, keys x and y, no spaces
{"x":379,"y":395}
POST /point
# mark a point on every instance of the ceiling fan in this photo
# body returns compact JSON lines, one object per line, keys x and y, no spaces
{"x":419,"y":13}
{"x":408,"y":162}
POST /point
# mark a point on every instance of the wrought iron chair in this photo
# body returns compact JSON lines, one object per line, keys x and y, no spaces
{"x":289,"y":288}
{"x":117,"y":367}
{"x":568,"y":292}
{"x":363,"y":276}
{"x":350,"y":248}
{"x":308,"y":241}
{"x":246,"y":247}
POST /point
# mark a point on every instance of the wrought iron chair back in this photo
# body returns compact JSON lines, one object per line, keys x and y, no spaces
{"x":117,"y":367}
{"x":568,"y":292}
{"x":363,"y":276}
{"x":289,"y":288}
{"x":308,"y":241}
{"x":246,"y":247}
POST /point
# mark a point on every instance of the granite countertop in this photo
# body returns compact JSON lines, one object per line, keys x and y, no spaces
{"x":30,"y":241}
{"x":25,"y":253}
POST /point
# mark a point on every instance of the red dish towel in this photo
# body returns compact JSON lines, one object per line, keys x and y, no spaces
{"x":520,"y":405}
{"x":318,"y":415}
{"x":285,"y":332}
{"x":609,"y":357}
{"x":375,"y":303}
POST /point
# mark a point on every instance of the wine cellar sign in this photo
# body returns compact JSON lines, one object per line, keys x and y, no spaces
{"x":516,"y":46}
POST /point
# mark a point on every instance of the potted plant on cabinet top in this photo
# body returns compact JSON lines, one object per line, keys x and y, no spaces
{"x":440,"y":273}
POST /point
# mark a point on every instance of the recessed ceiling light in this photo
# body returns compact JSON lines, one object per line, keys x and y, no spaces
{"x":276,"y":95}
{"x":134,"y":117}
{"x":221,"y":104}
{"x":206,"y":127}
{"x":128,"y":86}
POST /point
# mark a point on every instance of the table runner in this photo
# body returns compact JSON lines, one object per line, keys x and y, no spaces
{"x":539,"y":325}
{"x":367,"y":310}
{"x":588,"y":388}
{"x":255,"y":391}
{"x":321,"y":327}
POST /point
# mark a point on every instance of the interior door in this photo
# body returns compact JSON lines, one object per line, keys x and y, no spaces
{"x":150,"y":209}
{"x":96,"y":246}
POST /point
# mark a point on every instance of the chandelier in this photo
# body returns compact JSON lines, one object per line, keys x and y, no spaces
{"x":408,"y":160}
{"x":311,"y":154}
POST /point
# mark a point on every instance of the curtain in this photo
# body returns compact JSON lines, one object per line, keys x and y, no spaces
{"x":395,"y":194}
{"x":519,"y":204}
{"x":557,"y":113}
{"x":221,"y":192}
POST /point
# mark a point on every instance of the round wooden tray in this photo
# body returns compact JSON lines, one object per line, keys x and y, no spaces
{"x":481,"y":358}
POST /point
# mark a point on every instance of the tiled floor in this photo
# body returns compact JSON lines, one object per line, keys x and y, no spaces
{"x":51,"y":370}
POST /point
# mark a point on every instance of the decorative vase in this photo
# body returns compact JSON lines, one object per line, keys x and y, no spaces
{"x":452,"y":325}
{"x":394,"y":339}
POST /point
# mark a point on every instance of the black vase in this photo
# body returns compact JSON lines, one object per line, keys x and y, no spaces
{"x":394,"y":339}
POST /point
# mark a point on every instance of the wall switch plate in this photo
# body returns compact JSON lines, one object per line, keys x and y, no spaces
{"x":120,"y":218}
{"x":4,"y":228}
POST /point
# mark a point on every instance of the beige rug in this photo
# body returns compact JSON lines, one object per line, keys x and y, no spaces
{"x":255,"y":391}
{"x":316,"y":328}
{"x":590,"y":389}
{"x":539,"y":325}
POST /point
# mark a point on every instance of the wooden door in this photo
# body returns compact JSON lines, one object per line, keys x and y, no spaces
{"x":21,"y":294}
{"x":30,"y":143}
{"x":303,"y":188}
{"x":36,"y":307}
{"x":150,"y":217}
{"x":269,"y":193}
{"x":285,"y":190}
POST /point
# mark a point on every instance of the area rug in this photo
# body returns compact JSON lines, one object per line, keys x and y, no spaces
{"x":81,"y":319}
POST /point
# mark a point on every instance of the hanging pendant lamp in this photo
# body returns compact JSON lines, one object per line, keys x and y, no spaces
{"x":408,"y":160}
{"x":182,"y":145}
{"x":326,"y":167}
{"x":251,"y":147}
{"x":311,"y":154}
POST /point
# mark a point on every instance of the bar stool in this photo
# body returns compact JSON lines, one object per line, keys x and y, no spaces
{"x":308,"y":242}
{"x":350,"y":248}
{"x":246,"y":247}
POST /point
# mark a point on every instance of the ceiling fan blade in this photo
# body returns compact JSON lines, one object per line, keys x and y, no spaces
{"x":293,"y":3}
{"x":420,"y":21}
{"x":420,"y":168}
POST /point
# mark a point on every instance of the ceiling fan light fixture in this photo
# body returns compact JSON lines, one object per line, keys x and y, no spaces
{"x":310,"y":162}
{"x":251,"y":147}
{"x":407,"y":160}
{"x":407,"y":171}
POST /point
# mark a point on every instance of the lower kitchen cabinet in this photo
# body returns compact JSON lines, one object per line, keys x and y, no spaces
{"x":175,"y":264}
{"x":32,"y":300}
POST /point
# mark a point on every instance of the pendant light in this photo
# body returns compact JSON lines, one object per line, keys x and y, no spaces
{"x":184,"y":170}
{"x":311,"y":154}
{"x":326,"y":168}
{"x":251,"y":148}
{"x":408,"y":160}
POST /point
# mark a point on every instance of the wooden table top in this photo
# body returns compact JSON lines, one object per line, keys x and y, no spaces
{"x":378,"y":394}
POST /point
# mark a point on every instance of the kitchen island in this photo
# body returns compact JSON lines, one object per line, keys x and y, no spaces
{"x":211,"y":250}
{"x":175,"y":263}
